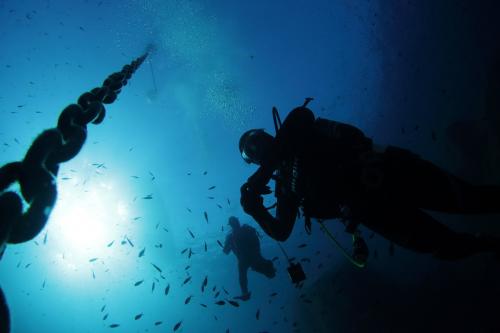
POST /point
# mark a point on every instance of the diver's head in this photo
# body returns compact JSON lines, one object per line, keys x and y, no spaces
{"x":234,"y":222}
{"x":257,"y":146}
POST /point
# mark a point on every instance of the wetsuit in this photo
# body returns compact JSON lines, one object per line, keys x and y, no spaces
{"x":332,"y":170}
{"x":244,"y":242}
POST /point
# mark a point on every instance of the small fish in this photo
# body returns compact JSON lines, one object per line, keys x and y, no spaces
{"x":220,"y":244}
{"x":148,"y":197}
{"x":184,"y":251}
{"x":302,"y":246}
{"x":190,"y":253}
{"x":138,"y":316}
{"x":157,"y":225}
{"x":129,"y":241}
{"x":233,"y":303}
{"x":224,"y":289}
{"x":206,"y":216}
{"x":257,"y":314}
{"x":136,"y":177}
{"x":43,"y":285}
{"x":211,"y":198}
{"x":189,"y":210}
{"x":153,"y":287}
{"x":137,"y":218}
{"x":188,"y":299}
{"x":93,"y":259}
{"x":138,"y":283}
{"x":142,"y":252}
{"x":220,"y":302}
{"x":166,"y":230}
{"x":152,"y":176}
{"x":204,"y":173}
{"x":110,"y":244}
{"x":167,"y":289}
{"x":205,"y":246}
{"x":186,"y":280}
{"x":105,"y":316}
{"x":45,"y":238}
{"x":114,"y":325}
{"x":228,"y":202}
{"x":204,"y":284}
{"x":211,"y":188}
{"x":157,"y":268}
{"x":273,"y":294}
{"x":187,"y":267}
{"x":103,"y":307}
{"x":176,"y":326}
{"x":158,"y":323}
{"x":189,"y":173}
{"x":81,"y":28}
{"x":219,"y":206}
{"x":190,"y":233}
{"x":203,"y":305}
{"x":28,"y":265}
{"x":217,"y":294}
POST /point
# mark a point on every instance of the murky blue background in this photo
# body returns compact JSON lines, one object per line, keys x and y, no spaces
{"x":400,"y":71}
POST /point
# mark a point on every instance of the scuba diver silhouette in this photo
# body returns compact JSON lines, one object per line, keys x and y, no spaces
{"x":332,"y":170}
{"x":244,"y":242}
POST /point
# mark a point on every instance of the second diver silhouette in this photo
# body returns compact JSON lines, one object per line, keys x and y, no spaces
{"x":243,"y":240}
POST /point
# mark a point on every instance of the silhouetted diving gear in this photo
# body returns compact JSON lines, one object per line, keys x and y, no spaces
{"x":331,"y":170}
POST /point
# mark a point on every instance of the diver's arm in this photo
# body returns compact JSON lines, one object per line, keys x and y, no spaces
{"x":279,"y":227}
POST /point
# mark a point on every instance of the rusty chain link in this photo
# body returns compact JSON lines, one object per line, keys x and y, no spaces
{"x":37,"y":172}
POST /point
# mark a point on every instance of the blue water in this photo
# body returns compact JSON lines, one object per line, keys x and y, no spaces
{"x":400,"y":72}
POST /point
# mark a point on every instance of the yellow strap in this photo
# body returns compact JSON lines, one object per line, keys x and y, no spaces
{"x":342,"y":250}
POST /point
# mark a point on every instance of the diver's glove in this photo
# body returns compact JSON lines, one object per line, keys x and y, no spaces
{"x":359,"y":249}
{"x":250,"y":199}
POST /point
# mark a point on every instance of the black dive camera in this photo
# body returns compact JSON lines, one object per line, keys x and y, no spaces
{"x":296,"y":273}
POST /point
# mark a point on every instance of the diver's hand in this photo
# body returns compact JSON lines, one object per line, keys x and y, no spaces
{"x":250,"y":199}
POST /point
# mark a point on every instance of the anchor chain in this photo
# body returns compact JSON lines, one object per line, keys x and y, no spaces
{"x":37,"y":172}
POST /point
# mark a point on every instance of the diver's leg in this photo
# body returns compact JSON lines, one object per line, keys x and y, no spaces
{"x":243,"y":270}
{"x":264,"y":266}
{"x":422,"y":184}
{"x":420,"y":232}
